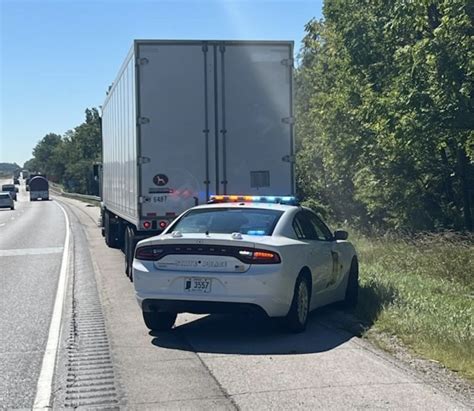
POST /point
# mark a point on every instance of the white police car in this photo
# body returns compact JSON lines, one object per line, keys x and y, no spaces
{"x":244,"y":253}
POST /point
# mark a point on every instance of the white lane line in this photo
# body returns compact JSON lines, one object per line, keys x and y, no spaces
{"x":30,"y":251}
{"x":45,"y":381}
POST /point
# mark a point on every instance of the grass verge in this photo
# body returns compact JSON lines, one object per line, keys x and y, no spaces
{"x":421,"y":289}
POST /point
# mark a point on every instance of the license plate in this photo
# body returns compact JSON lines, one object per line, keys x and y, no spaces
{"x":198,"y":285}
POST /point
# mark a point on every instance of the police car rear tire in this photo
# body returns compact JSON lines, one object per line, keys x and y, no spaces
{"x":159,"y":321}
{"x":297,"y":317}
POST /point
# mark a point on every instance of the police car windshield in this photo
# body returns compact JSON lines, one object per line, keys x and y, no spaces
{"x":251,"y":221}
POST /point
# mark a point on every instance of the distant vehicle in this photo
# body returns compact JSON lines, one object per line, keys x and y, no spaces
{"x":30,"y":176}
{"x":16,"y":180}
{"x":275,"y":259}
{"x":11,"y":189}
{"x":25,"y":174}
{"x":187,"y":119}
{"x":6,"y":201}
{"x":39,"y":188}
{"x":16,"y":175}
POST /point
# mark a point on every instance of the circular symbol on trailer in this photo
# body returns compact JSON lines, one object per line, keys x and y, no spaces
{"x":160,"y":180}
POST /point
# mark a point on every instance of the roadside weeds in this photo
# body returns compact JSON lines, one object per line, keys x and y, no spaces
{"x":419,"y":291}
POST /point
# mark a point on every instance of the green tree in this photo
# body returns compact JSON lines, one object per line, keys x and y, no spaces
{"x":385,"y":112}
{"x":69,"y":159}
{"x":81,"y":148}
{"x":30,"y":165}
{"x":46,"y":159}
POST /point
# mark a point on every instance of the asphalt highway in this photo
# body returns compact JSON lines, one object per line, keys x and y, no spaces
{"x":108,"y":358}
{"x":31,"y":246}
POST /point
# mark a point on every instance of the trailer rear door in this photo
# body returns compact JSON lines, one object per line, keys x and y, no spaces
{"x":214,"y":118}
{"x":171,"y":123}
{"x":255,"y":118}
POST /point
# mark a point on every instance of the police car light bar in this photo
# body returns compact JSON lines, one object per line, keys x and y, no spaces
{"x":290,"y":200}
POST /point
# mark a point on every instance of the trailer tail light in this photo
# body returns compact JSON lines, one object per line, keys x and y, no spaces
{"x":250,"y":256}
{"x":146,"y":225}
{"x":163,"y":224}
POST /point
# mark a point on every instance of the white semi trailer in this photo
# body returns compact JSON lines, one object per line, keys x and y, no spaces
{"x":188,"y":119}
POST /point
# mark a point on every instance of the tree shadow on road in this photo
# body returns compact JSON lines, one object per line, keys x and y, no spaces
{"x":227,"y":334}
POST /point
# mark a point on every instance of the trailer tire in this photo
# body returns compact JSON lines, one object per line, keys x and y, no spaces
{"x":129,"y":248}
{"x":110,"y":232}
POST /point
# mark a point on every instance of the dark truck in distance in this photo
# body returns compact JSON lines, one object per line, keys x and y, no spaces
{"x":39,"y":188}
{"x":30,"y":176}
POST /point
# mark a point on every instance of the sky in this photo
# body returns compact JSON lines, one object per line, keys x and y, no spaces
{"x":57,"y":57}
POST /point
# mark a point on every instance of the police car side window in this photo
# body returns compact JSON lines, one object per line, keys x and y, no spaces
{"x":303,"y":228}
{"x":298,"y":230}
{"x":322,"y":231}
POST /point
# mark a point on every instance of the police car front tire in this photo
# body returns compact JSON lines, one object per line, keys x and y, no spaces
{"x":352,"y":290}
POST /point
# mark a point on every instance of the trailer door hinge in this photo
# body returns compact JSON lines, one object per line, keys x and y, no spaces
{"x":288,"y":62}
{"x":288,"y":120}
{"x":288,"y":158}
{"x":143,"y":160}
{"x":144,"y":199}
{"x":143,"y":120}
{"x":142,"y":61}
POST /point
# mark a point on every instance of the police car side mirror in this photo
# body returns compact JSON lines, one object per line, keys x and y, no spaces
{"x":341,"y":235}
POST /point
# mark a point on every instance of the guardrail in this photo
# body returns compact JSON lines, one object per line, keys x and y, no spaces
{"x":58,"y":190}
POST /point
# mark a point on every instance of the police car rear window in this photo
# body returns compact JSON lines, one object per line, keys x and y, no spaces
{"x":251,"y":221}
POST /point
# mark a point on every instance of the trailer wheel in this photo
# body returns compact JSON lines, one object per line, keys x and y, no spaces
{"x":129,"y":249}
{"x":111,"y":232}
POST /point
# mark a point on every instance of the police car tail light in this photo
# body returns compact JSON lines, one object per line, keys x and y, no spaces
{"x":149,"y":253}
{"x":253,"y":199}
{"x":259,"y":257}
